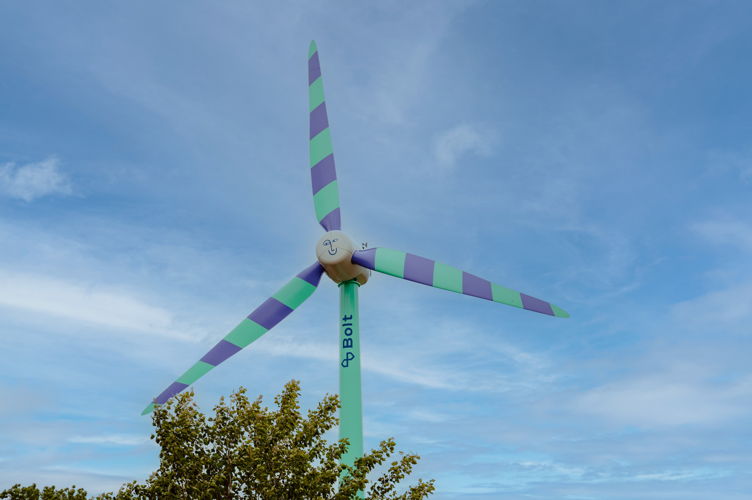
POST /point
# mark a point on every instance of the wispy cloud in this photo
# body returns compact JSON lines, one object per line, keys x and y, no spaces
{"x":673,"y":399}
{"x":582,"y":408}
{"x":427,"y":416}
{"x":501,"y":367}
{"x":33,"y":180}
{"x":111,"y":439}
{"x":727,"y":310}
{"x":399,"y":72}
{"x":450,"y":145}
{"x":391,"y":366}
{"x":88,"y":303}
{"x":726,"y":231}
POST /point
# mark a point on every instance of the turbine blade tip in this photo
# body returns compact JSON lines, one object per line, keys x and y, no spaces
{"x":148,"y":409}
{"x":559,"y":312}
{"x":312,"y":48}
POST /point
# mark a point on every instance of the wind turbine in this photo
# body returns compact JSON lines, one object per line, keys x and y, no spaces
{"x":349,"y":268}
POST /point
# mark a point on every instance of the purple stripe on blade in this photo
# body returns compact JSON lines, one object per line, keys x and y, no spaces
{"x":318,"y":121}
{"x":537,"y":305}
{"x":220,"y":352}
{"x":270,"y":313}
{"x":173,"y":389}
{"x":314,"y":70}
{"x":419,"y":269}
{"x":475,"y":286}
{"x":365,"y":258}
{"x":331,"y":221}
{"x":323,"y":173}
{"x":312,"y":274}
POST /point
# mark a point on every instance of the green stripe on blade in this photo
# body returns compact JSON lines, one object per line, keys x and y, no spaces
{"x":447,"y":277}
{"x":505,"y":295}
{"x":294,"y":293}
{"x":559,"y":312}
{"x":195,"y":372}
{"x":149,"y":408}
{"x":326,"y":200}
{"x":321,"y":146}
{"x":315,"y":94}
{"x":245,"y":333}
{"x":391,"y":262}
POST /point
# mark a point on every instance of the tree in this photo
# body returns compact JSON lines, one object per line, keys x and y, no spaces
{"x":18,"y":492}
{"x":248,"y":451}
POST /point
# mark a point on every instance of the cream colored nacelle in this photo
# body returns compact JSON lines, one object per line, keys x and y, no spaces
{"x":334,"y":252}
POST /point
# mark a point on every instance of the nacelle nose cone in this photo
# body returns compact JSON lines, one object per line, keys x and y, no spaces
{"x":333,"y":248}
{"x":334,"y":252}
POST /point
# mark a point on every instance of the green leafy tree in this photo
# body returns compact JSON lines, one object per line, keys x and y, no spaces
{"x":249,"y":451}
{"x":18,"y":492}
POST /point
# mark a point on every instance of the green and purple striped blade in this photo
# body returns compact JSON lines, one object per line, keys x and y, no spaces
{"x":260,"y":321}
{"x":323,"y":173}
{"x":432,"y":273}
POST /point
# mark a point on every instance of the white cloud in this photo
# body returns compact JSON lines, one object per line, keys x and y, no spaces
{"x":87,"y":303}
{"x":667,"y":400}
{"x":111,"y":439}
{"x":398,"y":74}
{"x":726,"y":232}
{"x":289,"y":346}
{"x":461,"y":140}
{"x":403,"y":368}
{"x":427,"y":416}
{"x":391,"y":366}
{"x":33,"y":180}
{"x":414,"y":363}
{"x":18,"y":399}
{"x":721,"y":311}
{"x":678,"y":475}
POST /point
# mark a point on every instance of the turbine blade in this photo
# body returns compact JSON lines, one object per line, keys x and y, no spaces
{"x":260,"y":321}
{"x":323,"y":173}
{"x":432,"y":273}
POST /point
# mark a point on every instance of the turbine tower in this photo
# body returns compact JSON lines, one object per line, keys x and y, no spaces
{"x":349,"y":268}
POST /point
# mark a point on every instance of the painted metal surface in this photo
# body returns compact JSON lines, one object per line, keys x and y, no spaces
{"x":351,"y":411}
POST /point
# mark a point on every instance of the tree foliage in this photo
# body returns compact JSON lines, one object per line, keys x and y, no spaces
{"x":18,"y":492}
{"x":249,"y":451}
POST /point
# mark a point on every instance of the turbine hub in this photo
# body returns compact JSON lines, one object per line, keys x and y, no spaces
{"x":334,"y":252}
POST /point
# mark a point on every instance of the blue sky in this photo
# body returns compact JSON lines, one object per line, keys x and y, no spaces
{"x":154,"y":190}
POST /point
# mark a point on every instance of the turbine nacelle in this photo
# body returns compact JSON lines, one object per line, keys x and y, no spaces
{"x":334,"y":252}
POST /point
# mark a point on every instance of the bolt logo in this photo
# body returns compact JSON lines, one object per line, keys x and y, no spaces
{"x":347,"y":342}
{"x":330,"y":243}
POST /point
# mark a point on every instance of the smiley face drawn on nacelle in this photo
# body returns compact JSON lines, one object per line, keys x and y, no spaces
{"x":334,"y":251}
{"x":334,"y":247}
{"x":330,"y":243}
